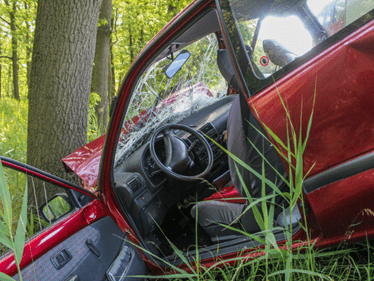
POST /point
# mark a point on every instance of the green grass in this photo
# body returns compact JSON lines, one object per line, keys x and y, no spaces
{"x":13,"y":128}
{"x":13,"y":144}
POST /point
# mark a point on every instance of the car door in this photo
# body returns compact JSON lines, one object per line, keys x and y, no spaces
{"x":334,"y":80}
{"x":82,"y":243}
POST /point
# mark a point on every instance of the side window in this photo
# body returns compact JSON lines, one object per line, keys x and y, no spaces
{"x":280,"y":41}
{"x":58,"y":204}
{"x":334,"y":15}
{"x":275,"y":36}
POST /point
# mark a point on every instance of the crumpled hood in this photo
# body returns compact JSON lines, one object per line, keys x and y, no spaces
{"x":85,"y":162}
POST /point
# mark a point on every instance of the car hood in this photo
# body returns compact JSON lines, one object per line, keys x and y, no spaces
{"x":85,"y":162}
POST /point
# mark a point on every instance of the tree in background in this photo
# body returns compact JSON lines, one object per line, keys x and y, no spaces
{"x":17,"y":19}
{"x":60,"y":81}
{"x":12,"y":9}
{"x":135,"y":24}
{"x":101,"y":67}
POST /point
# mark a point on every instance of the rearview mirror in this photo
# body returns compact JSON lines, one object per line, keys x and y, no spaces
{"x":177,"y":64}
{"x":55,"y":207}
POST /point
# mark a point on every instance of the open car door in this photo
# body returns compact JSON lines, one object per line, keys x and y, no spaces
{"x":80,"y":242}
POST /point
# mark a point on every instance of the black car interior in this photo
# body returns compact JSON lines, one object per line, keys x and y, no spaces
{"x":164,"y":205}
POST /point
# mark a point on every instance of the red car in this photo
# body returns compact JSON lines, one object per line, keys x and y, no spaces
{"x":216,"y":72}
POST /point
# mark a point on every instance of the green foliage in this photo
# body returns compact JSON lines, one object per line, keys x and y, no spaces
{"x":135,"y":24}
{"x":14,"y":242}
{"x":93,"y":128}
{"x":13,"y":143}
{"x":102,"y":22}
{"x":13,"y":128}
{"x":25,"y":24}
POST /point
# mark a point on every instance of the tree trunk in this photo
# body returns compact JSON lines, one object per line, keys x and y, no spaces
{"x":112,"y":77}
{"x":101,"y":70}
{"x":28,"y":48}
{"x":131,"y":46}
{"x":14,"y":48}
{"x":9,"y":86}
{"x":112,"y":74}
{"x":62,"y":61}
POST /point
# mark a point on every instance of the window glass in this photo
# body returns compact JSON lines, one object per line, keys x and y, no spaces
{"x":279,"y":33}
{"x":280,"y":41}
{"x":158,"y":100}
{"x":16,"y":183}
{"x":334,"y":15}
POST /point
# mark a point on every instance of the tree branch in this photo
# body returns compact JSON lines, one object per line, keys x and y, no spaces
{"x":4,"y":20}
{"x":5,"y":57}
{"x":114,"y":28}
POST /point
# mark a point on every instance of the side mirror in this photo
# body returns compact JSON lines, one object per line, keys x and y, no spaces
{"x":55,"y":207}
{"x":177,"y":64}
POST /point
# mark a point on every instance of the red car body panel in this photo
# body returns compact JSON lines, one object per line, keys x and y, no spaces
{"x":349,"y":95}
{"x":85,"y":161}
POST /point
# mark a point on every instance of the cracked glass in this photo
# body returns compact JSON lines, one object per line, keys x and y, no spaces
{"x":158,"y":100}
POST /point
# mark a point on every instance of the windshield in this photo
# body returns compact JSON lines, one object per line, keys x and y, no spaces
{"x":158,"y":100}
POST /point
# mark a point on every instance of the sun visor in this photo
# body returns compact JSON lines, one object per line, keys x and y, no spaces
{"x":206,"y":25}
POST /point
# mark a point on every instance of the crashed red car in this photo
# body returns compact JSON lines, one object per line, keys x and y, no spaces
{"x":216,"y":72}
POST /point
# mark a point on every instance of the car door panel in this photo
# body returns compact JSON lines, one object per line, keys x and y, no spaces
{"x":87,"y":262}
{"x":342,"y":78}
{"x":53,"y":235}
{"x":341,"y":139}
{"x":81,"y":244}
{"x":341,"y":199}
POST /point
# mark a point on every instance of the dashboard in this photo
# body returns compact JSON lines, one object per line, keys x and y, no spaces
{"x":146,"y":192}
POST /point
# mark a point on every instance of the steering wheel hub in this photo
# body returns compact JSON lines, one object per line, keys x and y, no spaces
{"x":177,"y":152}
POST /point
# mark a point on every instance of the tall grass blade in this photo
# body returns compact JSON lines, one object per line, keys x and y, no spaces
{"x":5,"y":199}
{"x":20,"y":237}
{"x":306,"y":272}
{"x":271,"y":166}
{"x":4,"y":277}
{"x":256,"y":212}
{"x":5,"y":240}
{"x":311,"y":117}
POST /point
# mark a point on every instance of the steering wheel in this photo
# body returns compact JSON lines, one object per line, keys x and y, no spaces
{"x":177,"y":158}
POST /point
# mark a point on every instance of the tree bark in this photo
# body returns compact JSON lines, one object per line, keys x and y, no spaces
{"x":61,"y":73}
{"x":28,"y":48}
{"x":100,"y":72}
{"x":131,"y":46}
{"x":14,"y":48}
{"x":9,"y":86}
{"x":112,"y":75}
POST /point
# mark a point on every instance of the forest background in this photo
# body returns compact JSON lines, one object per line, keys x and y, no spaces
{"x":61,"y":63}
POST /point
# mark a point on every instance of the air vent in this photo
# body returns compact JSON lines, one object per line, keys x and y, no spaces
{"x":135,"y":184}
{"x":209,"y":130}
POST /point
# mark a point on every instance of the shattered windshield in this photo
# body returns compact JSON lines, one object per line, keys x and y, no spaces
{"x":158,"y":100}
